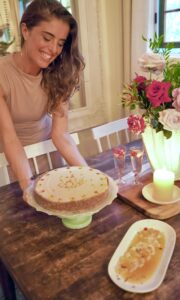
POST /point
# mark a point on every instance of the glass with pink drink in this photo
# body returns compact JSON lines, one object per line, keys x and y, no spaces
{"x":119,"y":155}
{"x":136,"y":155}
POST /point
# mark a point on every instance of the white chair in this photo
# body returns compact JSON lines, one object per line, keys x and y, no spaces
{"x":32,"y":151}
{"x":108,"y":129}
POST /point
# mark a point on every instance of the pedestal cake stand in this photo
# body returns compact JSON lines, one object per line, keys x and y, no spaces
{"x":77,"y":219}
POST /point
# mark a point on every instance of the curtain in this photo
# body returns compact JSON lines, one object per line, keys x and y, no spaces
{"x":122,"y":24}
{"x":126,"y":15}
{"x":126,"y":38}
{"x":142,"y":24}
{"x":14,"y":21}
{"x":115,"y":52}
{"x":9,"y":25}
{"x":4,"y":14}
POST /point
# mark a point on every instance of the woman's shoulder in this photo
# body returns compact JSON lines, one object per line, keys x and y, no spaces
{"x":5,"y":73}
{"x":6,"y":64}
{"x":4,"y":60}
{"x":8,"y":68}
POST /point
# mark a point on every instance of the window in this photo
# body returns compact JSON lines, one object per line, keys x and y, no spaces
{"x":169,"y":21}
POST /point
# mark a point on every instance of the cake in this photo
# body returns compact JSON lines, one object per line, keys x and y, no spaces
{"x":72,"y":189}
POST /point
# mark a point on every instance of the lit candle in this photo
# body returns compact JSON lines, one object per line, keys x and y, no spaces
{"x":163,"y":182}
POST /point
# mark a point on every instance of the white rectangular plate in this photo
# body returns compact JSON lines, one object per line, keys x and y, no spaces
{"x":158,"y":276}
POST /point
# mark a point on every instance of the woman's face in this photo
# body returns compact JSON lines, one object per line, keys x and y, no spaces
{"x":43,"y":43}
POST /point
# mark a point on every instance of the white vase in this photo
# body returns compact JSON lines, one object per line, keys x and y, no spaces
{"x":163,"y":152}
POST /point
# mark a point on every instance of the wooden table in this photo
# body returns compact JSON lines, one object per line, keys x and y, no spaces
{"x":51,"y":262}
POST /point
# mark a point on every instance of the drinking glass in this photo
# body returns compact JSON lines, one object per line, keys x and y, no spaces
{"x":119,"y":155}
{"x":136,"y":155}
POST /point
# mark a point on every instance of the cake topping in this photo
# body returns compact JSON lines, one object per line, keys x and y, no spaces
{"x":72,"y":189}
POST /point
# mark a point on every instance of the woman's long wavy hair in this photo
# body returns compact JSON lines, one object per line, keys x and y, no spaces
{"x":61,"y":78}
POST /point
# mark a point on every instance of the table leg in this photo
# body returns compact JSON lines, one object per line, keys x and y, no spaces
{"x":7,"y":283}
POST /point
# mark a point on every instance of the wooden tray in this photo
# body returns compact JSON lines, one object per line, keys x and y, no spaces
{"x":132,"y":195}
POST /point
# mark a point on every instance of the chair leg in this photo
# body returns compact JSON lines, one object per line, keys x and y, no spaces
{"x":7,"y":283}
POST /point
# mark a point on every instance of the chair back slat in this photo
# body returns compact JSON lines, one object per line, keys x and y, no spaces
{"x":4,"y":176}
{"x":32,"y":152}
{"x":39,"y":148}
{"x":49,"y":161}
{"x":35,"y":165}
{"x":106,"y":130}
{"x":99,"y":145}
{"x":117,"y":137}
{"x":127,"y":135}
{"x":108,"y":142}
{"x":3,"y":160}
{"x":75,"y":138}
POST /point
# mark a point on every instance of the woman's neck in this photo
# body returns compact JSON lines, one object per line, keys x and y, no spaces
{"x":25,"y":64}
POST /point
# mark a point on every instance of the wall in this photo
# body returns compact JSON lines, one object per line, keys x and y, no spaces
{"x":110,"y":18}
{"x":101,"y":32}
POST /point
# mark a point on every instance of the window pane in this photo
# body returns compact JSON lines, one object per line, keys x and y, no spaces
{"x":66,"y":3}
{"x":172,"y":27}
{"x":172,"y":4}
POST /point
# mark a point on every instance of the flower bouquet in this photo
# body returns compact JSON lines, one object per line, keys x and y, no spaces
{"x":158,"y":98}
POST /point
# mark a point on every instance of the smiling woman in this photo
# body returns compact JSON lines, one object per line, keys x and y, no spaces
{"x":61,"y":29}
{"x":37,"y":81}
{"x":43,"y":44}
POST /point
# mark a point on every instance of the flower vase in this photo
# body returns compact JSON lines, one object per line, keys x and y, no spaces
{"x":163,"y":152}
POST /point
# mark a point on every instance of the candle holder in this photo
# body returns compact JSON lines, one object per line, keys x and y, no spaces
{"x":162,"y":190}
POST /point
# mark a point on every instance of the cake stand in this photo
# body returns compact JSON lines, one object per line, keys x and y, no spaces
{"x":77,"y":219}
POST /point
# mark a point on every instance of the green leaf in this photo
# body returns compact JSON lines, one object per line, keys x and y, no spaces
{"x":167,"y":133}
{"x":144,"y":39}
{"x":132,"y":106}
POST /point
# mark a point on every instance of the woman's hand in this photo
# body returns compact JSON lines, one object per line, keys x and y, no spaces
{"x":29,"y":185}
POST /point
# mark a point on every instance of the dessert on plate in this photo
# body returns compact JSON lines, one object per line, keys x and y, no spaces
{"x":72,"y":189}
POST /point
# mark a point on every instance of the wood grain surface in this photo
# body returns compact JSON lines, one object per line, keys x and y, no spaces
{"x":51,"y":262}
{"x":133,"y":196}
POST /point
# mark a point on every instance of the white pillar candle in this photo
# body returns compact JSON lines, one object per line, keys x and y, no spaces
{"x":163,"y":182}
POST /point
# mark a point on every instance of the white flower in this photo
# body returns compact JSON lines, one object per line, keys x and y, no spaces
{"x":176,"y":98}
{"x":170,"y":119}
{"x":153,"y":62}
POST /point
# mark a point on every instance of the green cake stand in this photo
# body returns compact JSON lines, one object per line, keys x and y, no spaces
{"x":77,"y":221}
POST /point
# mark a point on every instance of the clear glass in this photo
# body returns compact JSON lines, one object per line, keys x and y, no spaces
{"x":136,"y":155}
{"x":119,"y":154}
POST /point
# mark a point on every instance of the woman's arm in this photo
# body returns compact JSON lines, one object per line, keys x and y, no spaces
{"x":12,"y":147}
{"x":62,"y":139}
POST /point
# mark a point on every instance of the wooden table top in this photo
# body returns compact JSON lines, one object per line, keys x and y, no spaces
{"x":51,"y":262}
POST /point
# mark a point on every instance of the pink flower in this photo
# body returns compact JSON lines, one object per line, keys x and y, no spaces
{"x":170,"y":119}
{"x":176,"y":98}
{"x":140,"y":80}
{"x":136,"y":124}
{"x":152,"y":62}
{"x":157,"y":92}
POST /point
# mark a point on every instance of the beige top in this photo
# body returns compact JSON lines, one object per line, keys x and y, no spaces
{"x":27,"y":102}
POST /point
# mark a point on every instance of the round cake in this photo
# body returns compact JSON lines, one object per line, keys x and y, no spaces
{"x":71,"y":189}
